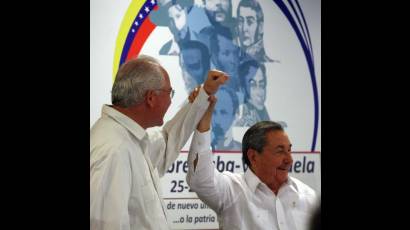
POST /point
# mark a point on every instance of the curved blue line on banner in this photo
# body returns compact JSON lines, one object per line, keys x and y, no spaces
{"x":309,"y":59}
{"x":307,"y":29}
{"x":296,"y":13}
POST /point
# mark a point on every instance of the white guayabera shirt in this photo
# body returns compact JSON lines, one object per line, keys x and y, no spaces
{"x":241,"y":200}
{"x":126,"y":163}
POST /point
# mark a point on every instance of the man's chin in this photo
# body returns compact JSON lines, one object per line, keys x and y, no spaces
{"x":282,"y":174}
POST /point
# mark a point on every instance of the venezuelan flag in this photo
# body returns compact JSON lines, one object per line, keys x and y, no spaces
{"x":134,"y":31}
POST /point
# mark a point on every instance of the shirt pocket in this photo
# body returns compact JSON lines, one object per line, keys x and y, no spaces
{"x":262,"y":219}
{"x":258,"y":219}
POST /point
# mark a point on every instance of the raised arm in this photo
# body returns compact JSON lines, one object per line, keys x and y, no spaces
{"x":211,"y":186}
{"x":167,"y":144}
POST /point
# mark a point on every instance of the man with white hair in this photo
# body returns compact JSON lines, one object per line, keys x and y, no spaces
{"x":126,"y":158}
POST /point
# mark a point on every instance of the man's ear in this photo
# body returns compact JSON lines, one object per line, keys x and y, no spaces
{"x":150,"y":98}
{"x":252,"y":156}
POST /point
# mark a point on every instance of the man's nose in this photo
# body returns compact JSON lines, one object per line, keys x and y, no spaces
{"x":245,"y":27}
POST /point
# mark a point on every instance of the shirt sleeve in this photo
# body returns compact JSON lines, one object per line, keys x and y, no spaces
{"x":211,"y":186}
{"x":110,"y":187}
{"x":166,"y":144}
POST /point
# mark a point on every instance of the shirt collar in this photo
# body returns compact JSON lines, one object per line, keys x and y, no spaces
{"x":291,"y":183}
{"x":253,"y":181}
{"x":125,"y":121}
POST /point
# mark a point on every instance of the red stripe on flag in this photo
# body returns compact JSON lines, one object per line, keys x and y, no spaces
{"x":143,"y":33}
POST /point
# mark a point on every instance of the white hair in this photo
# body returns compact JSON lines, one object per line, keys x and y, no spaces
{"x":134,"y":78}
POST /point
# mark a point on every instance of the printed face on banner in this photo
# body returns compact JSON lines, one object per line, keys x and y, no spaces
{"x":247,"y":24}
{"x":178,"y":21}
{"x":256,"y":86}
{"x":192,"y":68}
{"x":218,"y":10}
{"x":224,"y":113}
{"x":227,"y":56}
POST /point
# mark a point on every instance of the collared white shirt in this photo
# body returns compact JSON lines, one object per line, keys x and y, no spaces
{"x":242,"y":201}
{"x":126,"y":162}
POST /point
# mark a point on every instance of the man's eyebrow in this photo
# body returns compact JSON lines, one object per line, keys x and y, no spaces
{"x":282,"y":146}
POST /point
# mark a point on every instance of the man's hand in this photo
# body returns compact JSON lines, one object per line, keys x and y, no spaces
{"x":215,"y":79}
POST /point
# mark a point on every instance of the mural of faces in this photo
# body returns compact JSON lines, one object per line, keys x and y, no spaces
{"x":223,"y":43}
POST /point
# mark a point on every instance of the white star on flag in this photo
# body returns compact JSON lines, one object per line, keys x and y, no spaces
{"x":152,"y":2}
{"x":146,"y":9}
{"x":136,"y":23}
{"x":133,"y":30}
{"x":141,"y":16}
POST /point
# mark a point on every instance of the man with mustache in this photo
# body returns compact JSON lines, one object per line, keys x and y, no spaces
{"x":219,"y":11}
{"x":264,"y":197}
{"x":219,"y":14}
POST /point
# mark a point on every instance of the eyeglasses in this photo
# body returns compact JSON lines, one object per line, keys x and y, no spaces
{"x":170,"y":91}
